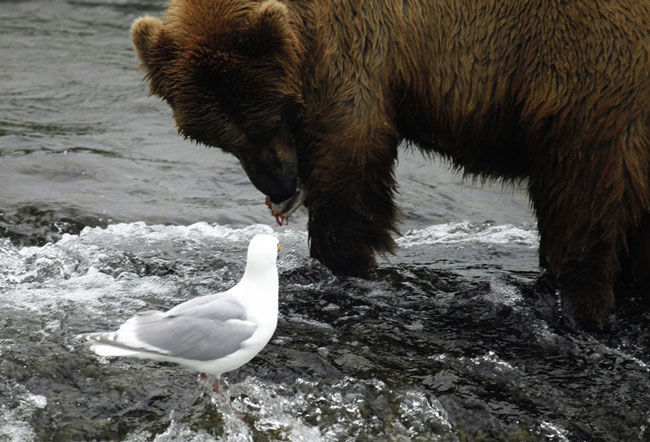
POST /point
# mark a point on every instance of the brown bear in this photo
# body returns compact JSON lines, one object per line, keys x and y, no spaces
{"x":314,"y":97}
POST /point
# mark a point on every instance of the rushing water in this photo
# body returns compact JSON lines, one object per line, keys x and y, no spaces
{"x":106,"y":212}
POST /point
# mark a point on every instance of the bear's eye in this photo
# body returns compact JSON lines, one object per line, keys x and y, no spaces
{"x":262,"y":135}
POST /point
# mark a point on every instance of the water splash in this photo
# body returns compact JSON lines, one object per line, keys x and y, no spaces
{"x":465,"y":232}
{"x":16,"y":412}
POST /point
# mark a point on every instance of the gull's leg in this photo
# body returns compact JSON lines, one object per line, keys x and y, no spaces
{"x":216,"y":386}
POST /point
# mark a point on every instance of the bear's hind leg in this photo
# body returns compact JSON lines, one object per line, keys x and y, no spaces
{"x":585,"y":208}
{"x":583,"y":259}
{"x":635,"y":271}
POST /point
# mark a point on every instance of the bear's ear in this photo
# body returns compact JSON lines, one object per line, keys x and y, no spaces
{"x":144,"y":33}
{"x":156,"y":51}
{"x":268,"y":31}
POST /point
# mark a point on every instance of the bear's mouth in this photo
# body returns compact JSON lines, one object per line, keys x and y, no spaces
{"x":282,"y":211}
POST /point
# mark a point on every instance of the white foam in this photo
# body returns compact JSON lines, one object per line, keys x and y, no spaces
{"x":157,"y":232}
{"x":467,"y":232}
{"x":503,"y":293}
{"x":178,"y":432}
{"x":175,"y":432}
{"x":418,"y":412}
{"x":276,"y":409}
{"x":11,"y":262}
{"x":98,"y":262}
{"x":14,"y":424}
{"x":38,"y":400}
{"x":85,"y":259}
{"x":93,"y":291}
{"x":492,"y":358}
{"x":339,"y":408}
{"x":552,"y":431}
{"x":310,"y":411}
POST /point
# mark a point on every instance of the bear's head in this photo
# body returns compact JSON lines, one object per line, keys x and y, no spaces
{"x":229,"y":71}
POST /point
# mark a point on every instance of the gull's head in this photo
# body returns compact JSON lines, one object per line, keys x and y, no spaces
{"x":262,"y":252}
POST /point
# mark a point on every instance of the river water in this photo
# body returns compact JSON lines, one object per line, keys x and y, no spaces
{"x":105,"y":211}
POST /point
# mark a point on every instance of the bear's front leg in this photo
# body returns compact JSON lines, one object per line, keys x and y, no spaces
{"x":351,"y":209}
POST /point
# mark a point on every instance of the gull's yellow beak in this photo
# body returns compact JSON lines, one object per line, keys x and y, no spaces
{"x":279,"y":248}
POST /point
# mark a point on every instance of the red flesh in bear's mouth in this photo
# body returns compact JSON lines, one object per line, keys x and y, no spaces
{"x":279,"y":217}
{"x":283,"y":210}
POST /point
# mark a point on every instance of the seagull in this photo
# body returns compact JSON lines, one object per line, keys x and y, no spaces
{"x":210,"y":334}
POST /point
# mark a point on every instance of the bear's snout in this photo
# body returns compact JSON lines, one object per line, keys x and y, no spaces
{"x":277,"y":189}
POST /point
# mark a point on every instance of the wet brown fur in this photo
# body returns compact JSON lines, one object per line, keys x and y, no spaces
{"x":554,"y":92}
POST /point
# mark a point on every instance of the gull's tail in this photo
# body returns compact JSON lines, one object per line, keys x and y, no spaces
{"x":124,"y":341}
{"x":107,"y":344}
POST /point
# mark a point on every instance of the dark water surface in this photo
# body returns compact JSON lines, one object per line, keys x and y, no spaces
{"x":105,"y":212}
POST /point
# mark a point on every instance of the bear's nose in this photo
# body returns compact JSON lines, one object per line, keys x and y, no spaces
{"x":281,"y":190}
{"x":277,"y":188}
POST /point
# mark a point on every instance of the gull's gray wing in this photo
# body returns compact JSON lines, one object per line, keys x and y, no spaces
{"x":202,"y":332}
{"x":227,"y":304}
